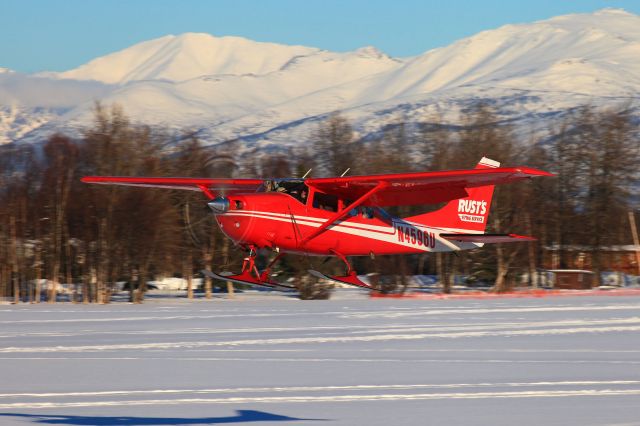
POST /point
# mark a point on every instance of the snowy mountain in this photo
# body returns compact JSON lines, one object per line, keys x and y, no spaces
{"x":575,"y":53}
{"x":187,"y":56}
{"x":273,"y":95}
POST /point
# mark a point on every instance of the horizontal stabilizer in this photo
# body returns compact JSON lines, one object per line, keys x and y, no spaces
{"x":487,"y":238}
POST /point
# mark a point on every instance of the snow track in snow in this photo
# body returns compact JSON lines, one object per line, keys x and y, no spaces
{"x":528,"y":329}
{"x":350,"y":360}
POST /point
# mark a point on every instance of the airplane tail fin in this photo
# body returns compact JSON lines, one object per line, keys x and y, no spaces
{"x":467,"y":214}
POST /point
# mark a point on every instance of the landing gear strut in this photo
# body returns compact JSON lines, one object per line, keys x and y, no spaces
{"x":249,"y":263}
{"x":351,"y":278}
{"x":266,"y":274}
{"x":250,"y":274}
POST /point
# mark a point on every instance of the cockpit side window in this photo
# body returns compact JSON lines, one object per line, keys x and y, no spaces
{"x":300,"y":192}
{"x":367,"y":212}
{"x":297,"y":189}
{"x":325,"y":202}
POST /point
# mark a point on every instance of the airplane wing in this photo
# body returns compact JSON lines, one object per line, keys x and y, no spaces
{"x":210,"y":187}
{"x":487,"y":238}
{"x":419,"y":188}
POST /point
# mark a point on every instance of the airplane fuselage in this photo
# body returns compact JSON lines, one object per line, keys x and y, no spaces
{"x":281,"y":222}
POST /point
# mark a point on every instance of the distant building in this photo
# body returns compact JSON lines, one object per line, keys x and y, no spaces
{"x":621,"y":258}
{"x":573,"y":279}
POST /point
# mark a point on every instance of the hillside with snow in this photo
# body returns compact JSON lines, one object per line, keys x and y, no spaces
{"x":267,"y":94}
{"x":187,"y":56}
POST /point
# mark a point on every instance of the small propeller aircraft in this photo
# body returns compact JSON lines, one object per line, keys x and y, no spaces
{"x":343,"y":216}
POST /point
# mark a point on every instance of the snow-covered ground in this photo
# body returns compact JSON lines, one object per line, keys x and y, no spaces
{"x":272,"y":359}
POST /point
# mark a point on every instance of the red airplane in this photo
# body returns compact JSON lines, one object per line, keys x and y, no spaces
{"x":343,"y":216}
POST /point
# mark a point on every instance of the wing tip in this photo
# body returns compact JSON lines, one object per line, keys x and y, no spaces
{"x":531,"y":172}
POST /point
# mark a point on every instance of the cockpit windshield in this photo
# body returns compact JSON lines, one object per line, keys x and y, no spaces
{"x":294,"y":187}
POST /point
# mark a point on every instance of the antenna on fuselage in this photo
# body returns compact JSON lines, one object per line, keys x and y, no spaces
{"x":306,"y":174}
{"x":345,"y":172}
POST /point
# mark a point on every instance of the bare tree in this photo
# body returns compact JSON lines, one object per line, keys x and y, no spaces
{"x":333,"y":145}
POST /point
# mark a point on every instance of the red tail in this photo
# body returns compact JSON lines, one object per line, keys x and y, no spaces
{"x":465,"y":214}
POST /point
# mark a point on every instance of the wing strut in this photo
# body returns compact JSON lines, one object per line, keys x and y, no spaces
{"x":342,"y":213}
{"x":206,"y":192}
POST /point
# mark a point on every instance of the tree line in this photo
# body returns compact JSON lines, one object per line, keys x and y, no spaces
{"x":55,"y":229}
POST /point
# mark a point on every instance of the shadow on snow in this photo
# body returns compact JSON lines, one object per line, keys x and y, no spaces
{"x":242,"y":416}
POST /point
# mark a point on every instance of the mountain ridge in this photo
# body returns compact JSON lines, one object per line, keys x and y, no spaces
{"x":184,"y":56}
{"x":235,"y":88}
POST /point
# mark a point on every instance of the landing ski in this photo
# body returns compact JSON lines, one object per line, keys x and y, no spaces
{"x":246,"y":279}
{"x":351,"y":280}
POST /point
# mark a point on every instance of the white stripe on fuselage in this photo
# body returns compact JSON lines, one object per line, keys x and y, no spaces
{"x":386,"y":234}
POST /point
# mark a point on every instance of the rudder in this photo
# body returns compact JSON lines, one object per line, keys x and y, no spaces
{"x":467,"y":214}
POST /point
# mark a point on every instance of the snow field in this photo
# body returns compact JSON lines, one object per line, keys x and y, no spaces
{"x":350,"y":360}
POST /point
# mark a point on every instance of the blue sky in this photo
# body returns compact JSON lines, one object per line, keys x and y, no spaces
{"x":39,"y":35}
